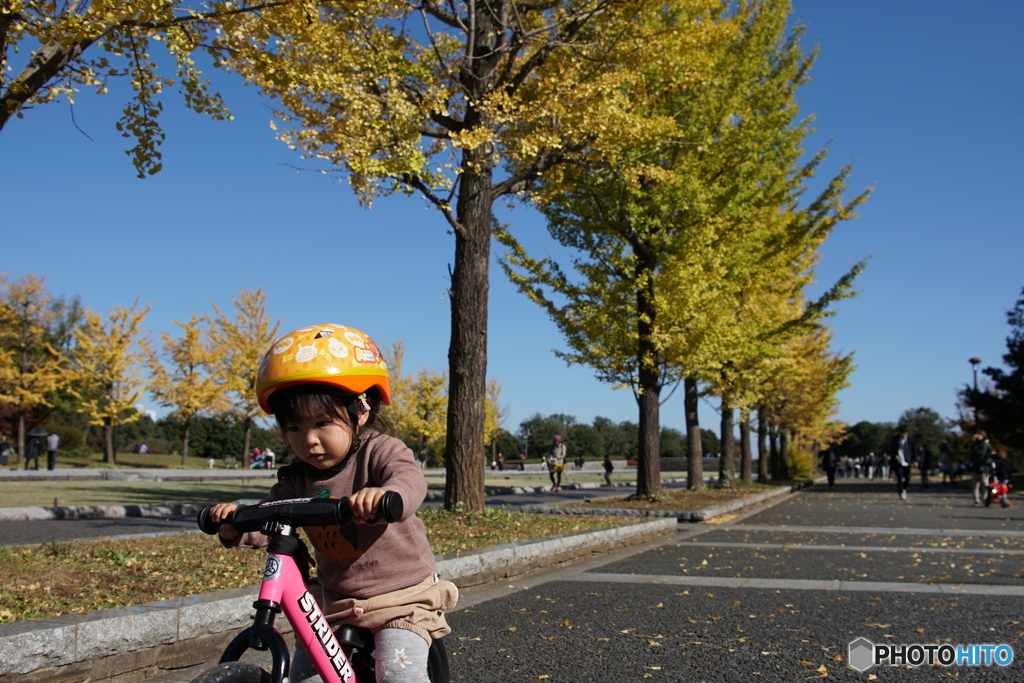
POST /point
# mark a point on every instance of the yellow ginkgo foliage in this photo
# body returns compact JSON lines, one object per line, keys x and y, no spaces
{"x":109,"y":357}
{"x":187,"y":381}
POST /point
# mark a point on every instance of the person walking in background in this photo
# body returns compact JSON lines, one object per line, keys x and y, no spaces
{"x":829,"y":462}
{"x":32,"y":453}
{"x":501,"y":462}
{"x":5,"y":451}
{"x":981,"y":450}
{"x":522,"y":462}
{"x":556,"y":463}
{"x":903,"y":453}
{"x":608,"y":468}
{"x":946,"y":465}
{"x":52,"y":444}
{"x":924,"y":462}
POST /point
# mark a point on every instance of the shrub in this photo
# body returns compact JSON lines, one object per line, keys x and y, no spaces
{"x":71,"y":438}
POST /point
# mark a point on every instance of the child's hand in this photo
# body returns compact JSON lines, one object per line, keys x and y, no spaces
{"x":365,"y":503}
{"x":218,"y":513}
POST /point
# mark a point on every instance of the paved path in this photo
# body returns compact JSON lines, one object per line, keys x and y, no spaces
{"x":776,"y":594}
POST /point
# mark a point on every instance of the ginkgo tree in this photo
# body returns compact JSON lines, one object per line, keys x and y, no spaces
{"x":31,"y":369}
{"x":669,"y":236}
{"x":186,"y":379}
{"x":240,"y":342}
{"x":109,"y":358}
{"x":80,"y":44}
{"x":435,"y":98}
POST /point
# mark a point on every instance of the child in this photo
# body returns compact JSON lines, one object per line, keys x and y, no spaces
{"x":324,"y":384}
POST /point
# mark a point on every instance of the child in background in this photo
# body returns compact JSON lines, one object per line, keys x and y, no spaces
{"x":325,"y":384}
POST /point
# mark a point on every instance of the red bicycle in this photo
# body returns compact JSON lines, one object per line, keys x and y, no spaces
{"x":344,"y":655}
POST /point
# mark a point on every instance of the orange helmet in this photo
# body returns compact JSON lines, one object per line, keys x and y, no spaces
{"x":323,"y":354}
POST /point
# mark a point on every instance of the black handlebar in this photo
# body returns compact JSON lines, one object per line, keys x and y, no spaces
{"x":298,"y":512}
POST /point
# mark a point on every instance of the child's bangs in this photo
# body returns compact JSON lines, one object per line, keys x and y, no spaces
{"x":309,"y":401}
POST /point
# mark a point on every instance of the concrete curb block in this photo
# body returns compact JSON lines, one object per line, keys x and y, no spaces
{"x":99,"y":511}
{"x":110,"y":642}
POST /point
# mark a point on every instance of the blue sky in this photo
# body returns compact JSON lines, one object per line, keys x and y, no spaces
{"x":927,"y":98}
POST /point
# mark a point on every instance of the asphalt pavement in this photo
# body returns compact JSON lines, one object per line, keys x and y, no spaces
{"x":775,"y":594}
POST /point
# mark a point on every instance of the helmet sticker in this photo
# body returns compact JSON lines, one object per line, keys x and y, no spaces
{"x":306,"y":353}
{"x":336,"y":348}
{"x":283,"y":345}
{"x":355,"y":339}
{"x":376,"y":353}
{"x":365,"y":356}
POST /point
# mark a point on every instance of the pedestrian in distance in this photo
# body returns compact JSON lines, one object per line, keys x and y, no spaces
{"x":32,"y":453}
{"x":608,"y":468}
{"x":52,"y":444}
{"x":325,"y":385}
{"x":830,"y":462}
{"x":522,"y":462}
{"x":5,"y":451}
{"x":981,"y":451}
{"x":946,"y":465}
{"x":903,"y":454}
{"x":924,"y":462}
{"x":556,"y":462}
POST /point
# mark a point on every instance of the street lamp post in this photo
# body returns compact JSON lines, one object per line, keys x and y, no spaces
{"x":975,"y":362}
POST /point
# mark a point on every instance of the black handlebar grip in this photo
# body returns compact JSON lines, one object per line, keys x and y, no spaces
{"x":207,"y":525}
{"x":391,"y":506}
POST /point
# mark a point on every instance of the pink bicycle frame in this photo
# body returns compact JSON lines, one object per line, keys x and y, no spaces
{"x":283,"y":585}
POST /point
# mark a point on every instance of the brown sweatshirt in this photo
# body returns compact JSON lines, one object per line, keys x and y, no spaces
{"x":362,"y":560}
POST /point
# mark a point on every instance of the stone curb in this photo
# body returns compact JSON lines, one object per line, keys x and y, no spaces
{"x":110,"y":642}
{"x":99,"y":511}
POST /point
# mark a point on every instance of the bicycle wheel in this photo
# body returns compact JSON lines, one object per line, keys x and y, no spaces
{"x":437,"y":663}
{"x":233,"y":673}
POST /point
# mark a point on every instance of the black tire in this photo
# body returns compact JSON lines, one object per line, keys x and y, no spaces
{"x":233,"y":673}
{"x":437,"y":663}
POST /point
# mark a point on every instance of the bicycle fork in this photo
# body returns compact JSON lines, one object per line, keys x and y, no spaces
{"x":284,"y":588}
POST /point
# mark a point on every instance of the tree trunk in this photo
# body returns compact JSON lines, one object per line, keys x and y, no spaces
{"x":184,"y":442}
{"x":694,"y":446}
{"x":247,"y":434}
{"x":467,"y":350}
{"x":762,"y":446}
{"x":773,"y":440}
{"x":784,"y":453}
{"x":108,"y":435}
{"x":21,"y":439}
{"x":726,"y":459}
{"x":648,"y":474}
{"x":746,"y":456}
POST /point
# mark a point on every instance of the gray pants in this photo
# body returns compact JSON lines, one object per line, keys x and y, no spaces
{"x":400,"y":655}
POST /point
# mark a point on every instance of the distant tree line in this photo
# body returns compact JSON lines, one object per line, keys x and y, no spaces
{"x":596,"y":440}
